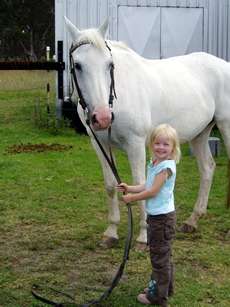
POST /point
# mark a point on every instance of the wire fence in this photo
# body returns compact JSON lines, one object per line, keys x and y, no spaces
{"x":28,"y":96}
{"x":34,"y":92}
{"x":21,"y":80}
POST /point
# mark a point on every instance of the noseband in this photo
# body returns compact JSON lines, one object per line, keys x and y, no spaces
{"x":81,"y":99}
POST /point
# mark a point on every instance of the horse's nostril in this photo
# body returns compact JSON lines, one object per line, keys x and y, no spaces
{"x":94,"y":120}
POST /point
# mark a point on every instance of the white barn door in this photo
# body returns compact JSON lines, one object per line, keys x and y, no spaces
{"x":181,"y":31}
{"x":139,"y":27}
{"x":161,"y":32}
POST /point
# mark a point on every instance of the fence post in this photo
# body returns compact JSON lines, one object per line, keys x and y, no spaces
{"x":60,"y":79}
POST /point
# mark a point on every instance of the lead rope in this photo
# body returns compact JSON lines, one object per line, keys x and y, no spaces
{"x":110,"y":161}
{"x":119,"y":273}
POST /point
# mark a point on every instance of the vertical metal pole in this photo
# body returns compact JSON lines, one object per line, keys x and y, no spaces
{"x":48,"y":104}
{"x":60,"y":79}
{"x":47,"y":53}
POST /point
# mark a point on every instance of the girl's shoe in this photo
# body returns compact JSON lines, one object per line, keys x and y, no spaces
{"x":146,"y":290}
{"x":152,"y":288}
{"x":142,"y":298}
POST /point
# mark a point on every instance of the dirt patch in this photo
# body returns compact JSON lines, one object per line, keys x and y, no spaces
{"x":28,"y":148}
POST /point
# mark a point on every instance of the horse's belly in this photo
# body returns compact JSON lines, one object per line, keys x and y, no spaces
{"x":189,"y":119}
{"x":189,"y":125}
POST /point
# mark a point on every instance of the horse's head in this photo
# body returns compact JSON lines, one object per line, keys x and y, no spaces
{"x":92,"y":73}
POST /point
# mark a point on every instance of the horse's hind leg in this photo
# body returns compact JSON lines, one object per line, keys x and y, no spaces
{"x":224,"y":128}
{"x":206,"y":165}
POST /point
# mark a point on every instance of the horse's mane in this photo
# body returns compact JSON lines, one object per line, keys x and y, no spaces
{"x":123,"y":47}
{"x":120,"y":45}
{"x":94,"y":37}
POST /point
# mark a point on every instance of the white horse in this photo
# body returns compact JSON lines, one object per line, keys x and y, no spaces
{"x":191,"y":92}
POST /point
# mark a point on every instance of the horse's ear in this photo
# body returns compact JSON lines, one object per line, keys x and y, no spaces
{"x":104,"y":27}
{"x":73,"y":30}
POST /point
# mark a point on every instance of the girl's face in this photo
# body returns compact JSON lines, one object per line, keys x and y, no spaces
{"x":162,"y":148}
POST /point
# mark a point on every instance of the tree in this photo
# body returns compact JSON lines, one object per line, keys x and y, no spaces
{"x":26,"y":28}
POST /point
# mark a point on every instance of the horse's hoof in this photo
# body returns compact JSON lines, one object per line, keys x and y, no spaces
{"x":141,"y":247}
{"x":109,"y":242}
{"x":186,"y":228}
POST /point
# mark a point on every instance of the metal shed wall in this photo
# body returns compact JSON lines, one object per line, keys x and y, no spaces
{"x":91,"y":13}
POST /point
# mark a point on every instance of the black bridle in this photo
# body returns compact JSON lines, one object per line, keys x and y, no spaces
{"x":81,"y":100}
{"x":112,"y":165}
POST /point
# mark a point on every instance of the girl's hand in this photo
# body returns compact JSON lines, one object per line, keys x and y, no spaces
{"x":122,"y":187}
{"x":127,"y":198}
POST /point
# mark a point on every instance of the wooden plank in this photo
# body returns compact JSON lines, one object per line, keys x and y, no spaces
{"x":32,"y":65}
{"x":112,"y":13}
{"x":83,"y":14}
{"x":171,"y":3}
{"x":122,"y":2}
{"x":72,"y":11}
{"x":103,"y":11}
{"x":92,"y":14}
{"x":132,"y":2}
{"x":228,"y":37}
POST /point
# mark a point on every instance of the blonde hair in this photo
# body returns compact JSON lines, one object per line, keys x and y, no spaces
{"x":167,"y":131}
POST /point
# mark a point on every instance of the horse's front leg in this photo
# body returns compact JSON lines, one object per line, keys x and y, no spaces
{"x":110,"y":235}
{"x":137,"y":159}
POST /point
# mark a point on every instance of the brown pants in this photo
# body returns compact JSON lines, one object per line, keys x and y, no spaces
{"x":161,"y":231}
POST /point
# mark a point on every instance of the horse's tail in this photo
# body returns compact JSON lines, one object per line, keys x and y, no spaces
{"x":228,"y":191}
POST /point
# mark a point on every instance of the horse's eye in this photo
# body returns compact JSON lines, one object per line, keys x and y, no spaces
{"x":78,"y":66}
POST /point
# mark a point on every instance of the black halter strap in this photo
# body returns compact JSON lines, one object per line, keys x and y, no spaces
{"x":74,"y":76}
{"x":112,"y":84}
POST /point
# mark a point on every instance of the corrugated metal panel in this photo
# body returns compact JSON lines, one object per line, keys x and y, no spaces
{"x":228,"y":37}
{"x":218,"y":40}
{"x":88,"y":13}
{"x":222,"y":29}
{"x":190,"y":23}
{"x":148,"y":43}
{"x":91,"y":13}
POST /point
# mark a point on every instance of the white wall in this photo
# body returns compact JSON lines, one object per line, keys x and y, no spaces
{"x":215,"y":34}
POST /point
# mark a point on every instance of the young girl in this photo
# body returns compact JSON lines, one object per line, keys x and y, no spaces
{"x":161,"y":216}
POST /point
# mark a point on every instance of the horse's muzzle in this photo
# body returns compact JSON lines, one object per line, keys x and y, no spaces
{"x":102,"y":118}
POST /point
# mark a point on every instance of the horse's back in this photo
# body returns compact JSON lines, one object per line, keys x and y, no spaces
{"x":202,"y":70}
{"x":199,"y":62}
{"x":193,"y":91}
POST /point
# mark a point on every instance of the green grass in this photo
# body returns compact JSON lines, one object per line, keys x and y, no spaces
{"x":53,"y":213}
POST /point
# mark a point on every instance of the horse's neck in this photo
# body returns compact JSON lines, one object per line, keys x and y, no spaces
{"x":126,"y":57}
